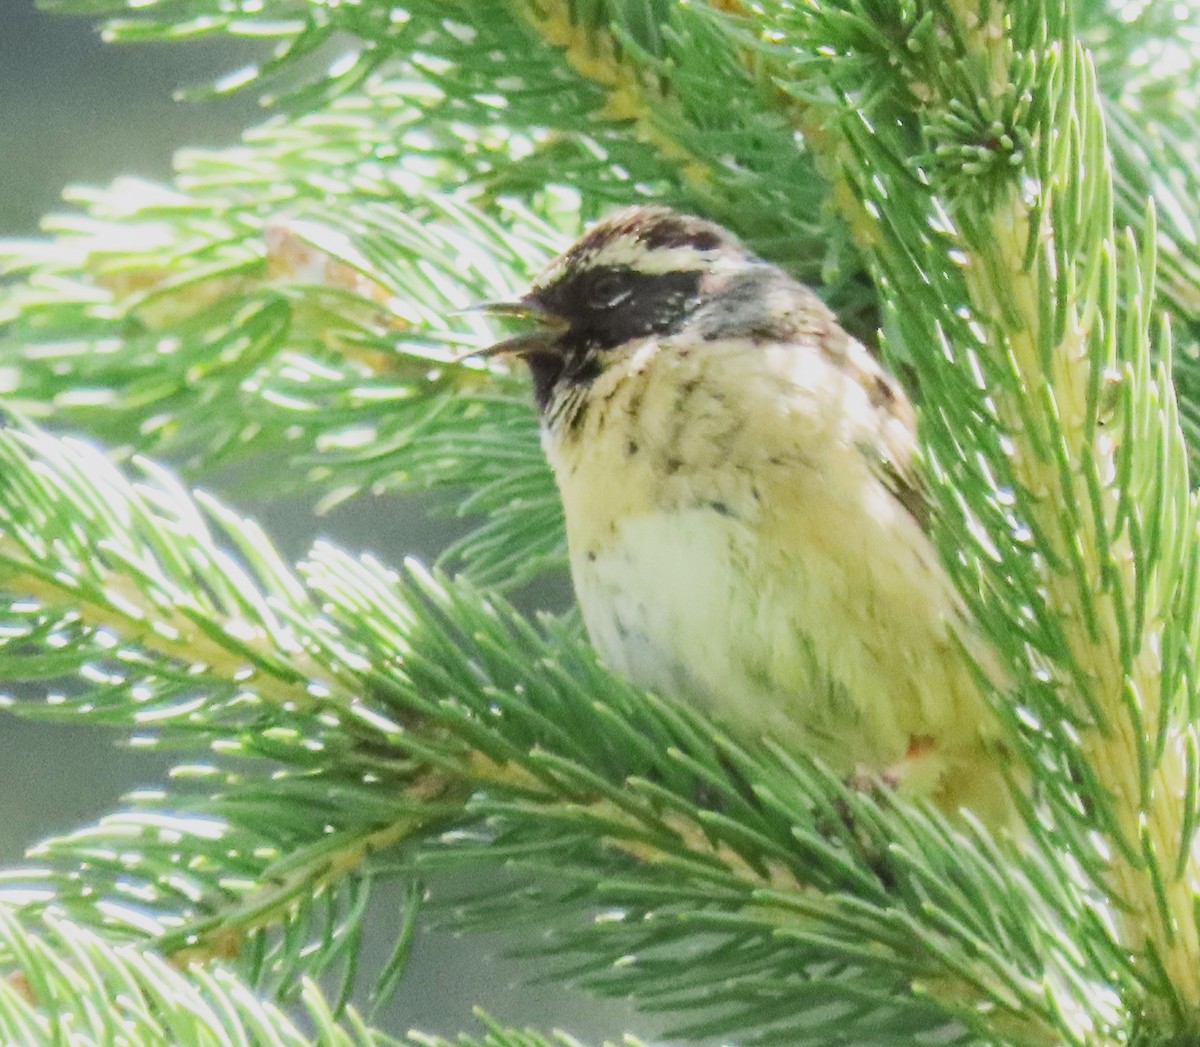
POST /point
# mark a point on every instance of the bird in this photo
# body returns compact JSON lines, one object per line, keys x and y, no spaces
{"x":747,"y":526}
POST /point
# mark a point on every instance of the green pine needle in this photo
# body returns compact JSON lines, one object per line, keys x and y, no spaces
{"x":1005,"y":198}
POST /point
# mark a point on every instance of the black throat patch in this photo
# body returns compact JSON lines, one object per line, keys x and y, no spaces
{"x":606,"y":306}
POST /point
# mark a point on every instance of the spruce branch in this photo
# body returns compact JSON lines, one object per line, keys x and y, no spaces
{"x":997,"y":188}
{"x":64,"y":983}
{"x":1020,"y":236}
{"x":439,"y":728}
{"x":291,"y":326}
{"x":174,"y":639}
{"x":670,"y":105}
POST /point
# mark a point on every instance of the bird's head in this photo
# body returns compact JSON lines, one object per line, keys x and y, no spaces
{"x":640,"y":273}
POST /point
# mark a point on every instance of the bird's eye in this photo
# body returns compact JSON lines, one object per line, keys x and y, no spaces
{"x":606,"y":290}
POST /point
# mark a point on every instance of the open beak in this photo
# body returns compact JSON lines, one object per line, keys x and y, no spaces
{"x":546,"y":330}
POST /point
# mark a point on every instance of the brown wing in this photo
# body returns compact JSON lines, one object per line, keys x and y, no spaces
{"x":906,"y":487}
{"x":892,"y":455}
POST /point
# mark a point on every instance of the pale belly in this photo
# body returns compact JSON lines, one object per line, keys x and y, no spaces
{"x":806,"y":652}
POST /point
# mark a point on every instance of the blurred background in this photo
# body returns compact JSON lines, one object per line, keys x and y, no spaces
{"x":76,"y":110}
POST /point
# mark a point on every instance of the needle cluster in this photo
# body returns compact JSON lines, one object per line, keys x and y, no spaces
{"x":1001,"y":197}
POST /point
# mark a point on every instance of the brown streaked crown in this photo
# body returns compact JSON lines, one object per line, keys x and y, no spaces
{"x":630,"y":237}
